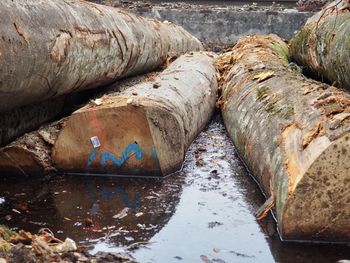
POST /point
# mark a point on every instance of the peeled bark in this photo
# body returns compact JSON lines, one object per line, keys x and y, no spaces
{"x":49,"y":48}
{"x":144,"y":130}
{"x":294,"y":134}
{"x":323,"y":44}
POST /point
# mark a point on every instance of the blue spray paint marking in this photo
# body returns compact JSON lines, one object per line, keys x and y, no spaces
{"x":107,"y":195}
{"x":92,"y":157}
{"x":108,"y":156}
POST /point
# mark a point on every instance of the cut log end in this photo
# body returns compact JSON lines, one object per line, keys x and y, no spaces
{"x":119,"y":139}
{"x":319,"y":207}
{"x":19,"y":161}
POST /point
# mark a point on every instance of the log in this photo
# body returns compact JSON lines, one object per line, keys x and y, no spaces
{"x":323,"y":44}
{"x":30,"y":154}
{"x":144,"y":130}
{"x":50,"y":48}
{"x":16,"y":122}
{"x":294,"y":135}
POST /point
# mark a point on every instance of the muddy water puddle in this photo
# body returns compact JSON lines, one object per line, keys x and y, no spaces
{"x":202,"y":214}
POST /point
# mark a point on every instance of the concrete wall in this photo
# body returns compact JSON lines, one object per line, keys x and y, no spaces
{"x":226,"y":26}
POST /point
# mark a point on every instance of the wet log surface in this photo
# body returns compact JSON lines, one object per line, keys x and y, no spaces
{"x":294,"y":134}
{"x":323,"y":44}
{"x":57,"y":47}
{"x":146,"y":129}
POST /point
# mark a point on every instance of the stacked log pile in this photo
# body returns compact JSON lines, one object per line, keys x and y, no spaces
{"x":292,"y":132}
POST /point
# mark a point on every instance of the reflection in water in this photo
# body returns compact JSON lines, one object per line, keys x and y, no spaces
{"x":118,"y":212}
{"x":203,"y":214}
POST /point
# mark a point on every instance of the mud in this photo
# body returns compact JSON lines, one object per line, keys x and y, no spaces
{"x":203,"y":214}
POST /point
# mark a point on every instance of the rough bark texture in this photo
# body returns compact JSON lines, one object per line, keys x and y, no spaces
{"x":323,"y":44}
{"x":294,"y":134}
{"x":16,"y":122}
{"x":144,"y":130}
{"x":48,"y":48}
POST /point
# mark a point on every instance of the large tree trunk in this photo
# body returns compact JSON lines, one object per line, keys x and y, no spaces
{"x":144,"y":130}
{"x":323,"y":44}
{"x":294,"y":134}
{"x":48,"y":48}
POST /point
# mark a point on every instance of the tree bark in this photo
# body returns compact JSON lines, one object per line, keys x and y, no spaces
{"x":144,"y":130}
{"x":323,"y":44}
{"x":49,"y":48}
{"x":294,"y":134}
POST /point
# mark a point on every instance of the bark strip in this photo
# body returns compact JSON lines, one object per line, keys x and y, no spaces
{"x":49,"y":48}
{"x":294,"y":134}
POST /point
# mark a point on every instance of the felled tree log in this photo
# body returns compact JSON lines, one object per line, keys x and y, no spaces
{"x":144,"y":130}
{"x":294,"y":134}
{"x":323,"y":44}
{"x":49,"y":48}
{"x":16,"y":122}
{"x":30,"y":155}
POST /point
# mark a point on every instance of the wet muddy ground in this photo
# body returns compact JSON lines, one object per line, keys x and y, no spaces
{"x":202,"y":214}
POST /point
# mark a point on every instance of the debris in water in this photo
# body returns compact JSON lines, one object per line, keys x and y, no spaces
{"x":214,"y":224}
{"x":138,"y":214}
{"x":216,"y":250}
{"x":205,"y":259}
{"x":122,"y":213}
{"x":241,"y":254}
{"x":67,"y":246}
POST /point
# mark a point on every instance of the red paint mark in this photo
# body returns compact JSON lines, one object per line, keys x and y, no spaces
{"x":99,"y":130}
